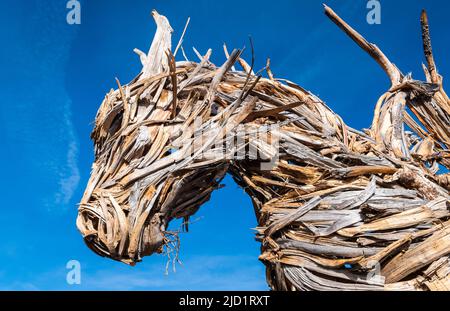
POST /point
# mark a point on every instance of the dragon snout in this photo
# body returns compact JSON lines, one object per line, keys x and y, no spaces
{"x":117,"y":233}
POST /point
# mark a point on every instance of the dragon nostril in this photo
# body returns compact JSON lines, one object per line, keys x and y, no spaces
{"x":214,"y":109}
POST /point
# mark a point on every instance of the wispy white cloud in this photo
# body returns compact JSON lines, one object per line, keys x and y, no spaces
{"x":42,"y":127}
{"x":202,"y":272}
{"x":197,"y":273}
{"x":70,"y":178}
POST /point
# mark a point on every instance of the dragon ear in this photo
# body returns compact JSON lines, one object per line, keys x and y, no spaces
{"x":156,"y":62}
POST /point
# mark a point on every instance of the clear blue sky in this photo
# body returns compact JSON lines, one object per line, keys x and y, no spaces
{"x":54,"y":77}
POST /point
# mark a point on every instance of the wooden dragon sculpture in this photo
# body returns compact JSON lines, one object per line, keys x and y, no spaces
{"x":337,"y":208}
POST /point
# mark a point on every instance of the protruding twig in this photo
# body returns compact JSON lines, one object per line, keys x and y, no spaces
{"x":173,"y":75}
{"x":427,"y":48}
{"x":184,"y":54}
{"x":268,"y":70}
{"x":227,"y":55}
{"x":142,"y":56}
{"x":248,"y":68}
{"x":200,"y":57}
{"x":391,"y":70}
{"x":182,"y":37}
{"x":428,"y":51}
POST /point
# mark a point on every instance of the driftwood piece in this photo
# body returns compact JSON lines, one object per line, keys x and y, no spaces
{"x":337,"y":208}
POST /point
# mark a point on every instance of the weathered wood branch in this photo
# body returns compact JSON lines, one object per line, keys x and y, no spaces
{"x":390,"y":69}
